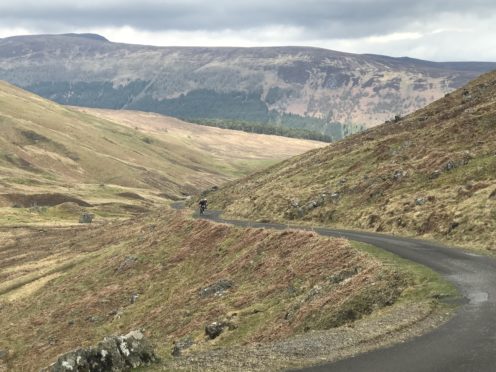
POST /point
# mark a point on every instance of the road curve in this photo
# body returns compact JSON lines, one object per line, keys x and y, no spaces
{"x":466,"y":343}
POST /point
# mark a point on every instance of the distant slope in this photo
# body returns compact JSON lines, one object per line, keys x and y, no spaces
{"x":333,"y":92}
{"x":47,"y":147}
{"x":431,"y":174}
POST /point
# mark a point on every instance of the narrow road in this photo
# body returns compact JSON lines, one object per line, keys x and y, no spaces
{"x":466,"y":343}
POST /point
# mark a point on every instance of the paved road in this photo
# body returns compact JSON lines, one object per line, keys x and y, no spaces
{"x":467,"y":343}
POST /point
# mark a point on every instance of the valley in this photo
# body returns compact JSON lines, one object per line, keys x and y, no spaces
{"x":310,"y":255}
{"x":56,"y":162}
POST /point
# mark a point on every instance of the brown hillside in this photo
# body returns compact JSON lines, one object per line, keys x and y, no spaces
{"x":432,"y":173}
{"x":67,"y":287}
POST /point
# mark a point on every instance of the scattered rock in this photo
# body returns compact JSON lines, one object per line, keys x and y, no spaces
{"x":115,"y":353}
{"x":435,"y":174}
{"x":420,"y":201}
{"x":398,"y":175}
{"x":343,"y":275}
{"x":216,"y":289}
{"x":3,"y":354}
{"x":134,"y":298}
{"x":180,"y":345}
{"x":128,"y":263}
{"x":86,"y":218}
{"x":450,"y":165}
{"x":93,"y":319}
{"x":213,"y":330}
{"x":71,"y":322}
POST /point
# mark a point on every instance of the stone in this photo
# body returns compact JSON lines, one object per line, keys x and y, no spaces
{"x":213,"y":330}
{"x":216,"y":289}
{"x":113,"y":354}
{"x":450,"y":165}
{"x":86,"y":218}
{"x":3,"y":354}
{"x":398,"y":175}
{"x":420,"y":201}
{"x":435,"y":174}
{"x":180,"y":345}
{"x":134,"y":298}
{"x":128,"y":263}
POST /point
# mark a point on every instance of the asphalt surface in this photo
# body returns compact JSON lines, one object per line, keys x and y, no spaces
{"x":466,"y":343}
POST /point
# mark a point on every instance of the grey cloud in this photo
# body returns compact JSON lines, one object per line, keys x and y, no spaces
{"x":317,"y":18}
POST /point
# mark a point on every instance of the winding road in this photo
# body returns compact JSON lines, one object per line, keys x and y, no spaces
{"x":466,"y":343}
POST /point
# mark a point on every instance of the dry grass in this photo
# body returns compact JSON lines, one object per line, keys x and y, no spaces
{"x":50,"y":152}
{"x":431,"y":174}
{"x":283,"y":283}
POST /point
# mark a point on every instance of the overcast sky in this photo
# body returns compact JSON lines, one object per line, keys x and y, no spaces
{"x":441,"y":30}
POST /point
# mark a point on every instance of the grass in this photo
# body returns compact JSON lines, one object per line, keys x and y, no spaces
{"x":452,"y":205}
{"x":275,"y":276}
{"x":46,"y":147}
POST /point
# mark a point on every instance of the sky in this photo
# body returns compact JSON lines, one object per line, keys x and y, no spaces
{"x":438,"y":30}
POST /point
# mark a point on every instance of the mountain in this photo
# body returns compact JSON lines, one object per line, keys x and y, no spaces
{"x":47,"y":150}
{"x":431,"y":173}
{"x":331,"y":92}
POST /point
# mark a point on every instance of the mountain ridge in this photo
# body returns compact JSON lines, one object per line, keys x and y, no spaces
{"x":332,"y":92}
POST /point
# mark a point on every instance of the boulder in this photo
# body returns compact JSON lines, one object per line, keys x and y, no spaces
{"x":420,"y":201}
{"x":216,"y":289}
{"x":180,"y":345}
{"x":213,"y":330}
{"x":86,"y":218}
{"x":113,"y":354}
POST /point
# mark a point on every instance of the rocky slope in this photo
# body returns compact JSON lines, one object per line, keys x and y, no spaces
{"x":319,"y":89}
{"x":432,"y":173}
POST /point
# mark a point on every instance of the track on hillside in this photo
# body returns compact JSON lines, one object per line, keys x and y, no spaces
{"x":466,"y":343}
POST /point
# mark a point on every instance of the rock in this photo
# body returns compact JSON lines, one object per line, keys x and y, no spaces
{"x":113,"y":354}
{"x":295,"y":203}
{"x":213,"y":330}
{"x":180,"y":345}
{"x":129,"y":262}
{"x":71,"y":322}
{"x":86,"y":218}
{"x":342,"y":181}
{"x":420,"y":201}
{"x":134,"y":298}
{"x":450,"y":165}
{"x":398,"y":175}
{"x":216,"y":289}
{"x":493,"y":195}
{"x":3,"y":354}
{"x":435,"y":174}
{"x":335,"y":196}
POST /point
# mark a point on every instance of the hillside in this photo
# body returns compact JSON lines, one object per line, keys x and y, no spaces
{"x":332,"y":92}
{"x":167,"y":274}
{"x":430,"y":174}
{"x":50,"y":154}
